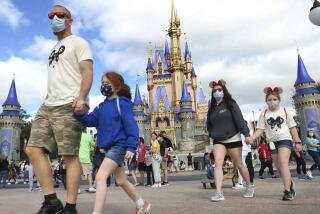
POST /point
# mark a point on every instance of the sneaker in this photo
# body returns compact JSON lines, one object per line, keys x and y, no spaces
{"x":274,"y":176}
{"x":293,"y":189}
{"x":79,"y":191}
{"x":30,"y":190}
{"x":217,"y":197}
{"x":165,"y":184}
{"x":309,"y":173}
{"x":55,"y":207}
{"x":249,"y":192}
{"x":155,"y":186}
{"x":287,"y":196}
{"x":261,"y":177}
{"x":159,"y":185}
{"x":92,"y":190}
{"x":238,"y":186}
{"x":144,"y":209}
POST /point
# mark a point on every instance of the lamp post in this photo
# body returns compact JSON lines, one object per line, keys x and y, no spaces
{"x":314,"y":15}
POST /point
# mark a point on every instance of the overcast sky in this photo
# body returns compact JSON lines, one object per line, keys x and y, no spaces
{"x":249,"y":43}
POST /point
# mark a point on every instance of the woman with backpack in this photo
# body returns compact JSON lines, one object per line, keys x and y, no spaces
{"x":118,"y":135}
{"x":225,"y":124}
{"x":282,"y":136}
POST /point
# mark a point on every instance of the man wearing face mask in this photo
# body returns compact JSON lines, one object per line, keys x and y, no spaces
{"x":70,"y":76}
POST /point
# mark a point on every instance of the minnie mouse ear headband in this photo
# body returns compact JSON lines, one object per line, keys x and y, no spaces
{"x":212,"y":84}
{"x":275,"y":90}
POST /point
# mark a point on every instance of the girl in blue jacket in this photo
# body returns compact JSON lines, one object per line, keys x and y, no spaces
{"x":118,"y":134}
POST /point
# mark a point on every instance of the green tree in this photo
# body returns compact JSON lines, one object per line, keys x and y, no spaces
{"x":25,"y":131}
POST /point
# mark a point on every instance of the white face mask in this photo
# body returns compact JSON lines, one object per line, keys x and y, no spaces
{"x":273,"y":104}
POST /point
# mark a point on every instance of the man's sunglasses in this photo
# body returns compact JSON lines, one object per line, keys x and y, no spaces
{"x":60,"y":15}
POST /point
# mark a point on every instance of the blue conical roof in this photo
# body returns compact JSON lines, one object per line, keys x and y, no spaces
{"x":149,"y":66}
{"x":303,"y":76}
{"x":186,"y":51}
{"x":137,"y":97}
{"x":193,"y":72}
{"x":202,"y":97}
{"x":166,"y":48}
{"x":185,"y":95}
{"x":12,"y":98}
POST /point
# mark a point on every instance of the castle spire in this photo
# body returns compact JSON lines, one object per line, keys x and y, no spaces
{"x":303,"y":76}
{"x":137,"y":97}
{"x":193,"y":72}
{"x":185,"y":95}
{"x":202,"y":97}
{"x":149,"y":65}
{"x":186,"y":51}
{"x":173,"y":11}
{"x":12,"y":98}
{"x":166,"y":48}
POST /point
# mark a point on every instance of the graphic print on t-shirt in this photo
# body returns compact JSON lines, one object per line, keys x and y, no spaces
{"x":54,"y":56}
{"x":275,"y":122}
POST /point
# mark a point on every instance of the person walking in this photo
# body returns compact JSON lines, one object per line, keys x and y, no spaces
{"x":70,"y":73}
{"x":86,"y":146}
{"x":156,"y":160}
{"x":225,"y":124}
{"x":164,"y":156}
{"x":118,"y":135}
{"x":265,"y":158}
{"x":142,"y":167}
{"x":4,"y":170}
{"x":313,"y":147}
{"x":282,"y":136}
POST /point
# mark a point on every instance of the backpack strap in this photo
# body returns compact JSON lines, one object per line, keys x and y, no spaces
{"x":118,"y":106}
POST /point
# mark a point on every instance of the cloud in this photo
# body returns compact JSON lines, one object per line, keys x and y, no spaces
{"x":40,"y":49}
{"x":30,"y":78}
{"x":11,"y":15}
{"x":249,"y":43}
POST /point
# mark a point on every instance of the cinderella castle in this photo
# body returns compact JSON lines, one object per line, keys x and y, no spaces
{"x":176,"y":107}
{"x":10,"y":125}
{"x":307,"y":101}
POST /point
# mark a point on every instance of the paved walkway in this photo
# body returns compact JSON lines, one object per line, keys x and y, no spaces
{"x":187,"y":197}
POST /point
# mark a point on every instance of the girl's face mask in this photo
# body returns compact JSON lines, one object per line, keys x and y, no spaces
{"x":273,"y":103}
{"x":106,"y":90}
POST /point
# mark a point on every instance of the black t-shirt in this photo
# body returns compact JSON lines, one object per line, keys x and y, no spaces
{"x":163,"y":146}
{"x":189,"y":158}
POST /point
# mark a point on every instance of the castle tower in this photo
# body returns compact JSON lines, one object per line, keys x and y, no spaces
{"x":307,"y":100}
{"x":175,"y":64}
{"x":10,"y":125}
{"x":186,"y":114}
{"x":139,"y":112}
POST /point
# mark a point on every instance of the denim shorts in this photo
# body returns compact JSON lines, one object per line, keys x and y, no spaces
{"x":280,"y":144}
{"x":116,"y":153}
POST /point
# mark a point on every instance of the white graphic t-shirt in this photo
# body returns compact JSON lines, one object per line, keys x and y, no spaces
{"x":64,"y":74}
{"x":276,"y":124}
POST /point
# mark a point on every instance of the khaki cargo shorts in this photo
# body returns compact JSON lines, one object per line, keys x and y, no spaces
{"x":54,"y":128}
{"x":86,"y":169}
{"x":164,"y":165}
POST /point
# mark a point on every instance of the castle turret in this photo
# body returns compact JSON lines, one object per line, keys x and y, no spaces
{"x":307,"y":100}
{"x":10,"y":125}
{"x":186,"y":114}
{"x":139,"y":112}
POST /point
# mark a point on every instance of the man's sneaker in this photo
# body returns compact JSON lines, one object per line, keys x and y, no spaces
{"x":54,"y":207}
{"x":217,"y":197}
{"x":309,"y":173}
{"x":238,"y":186}
{"x":155,"y":186}
{"x":293,"y":189}
{"x":249,"y":192}
{"x":287,"y":196}
{"x":261,"y":177}
{"x":143,"y":209}
{"x":92,"y":190}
